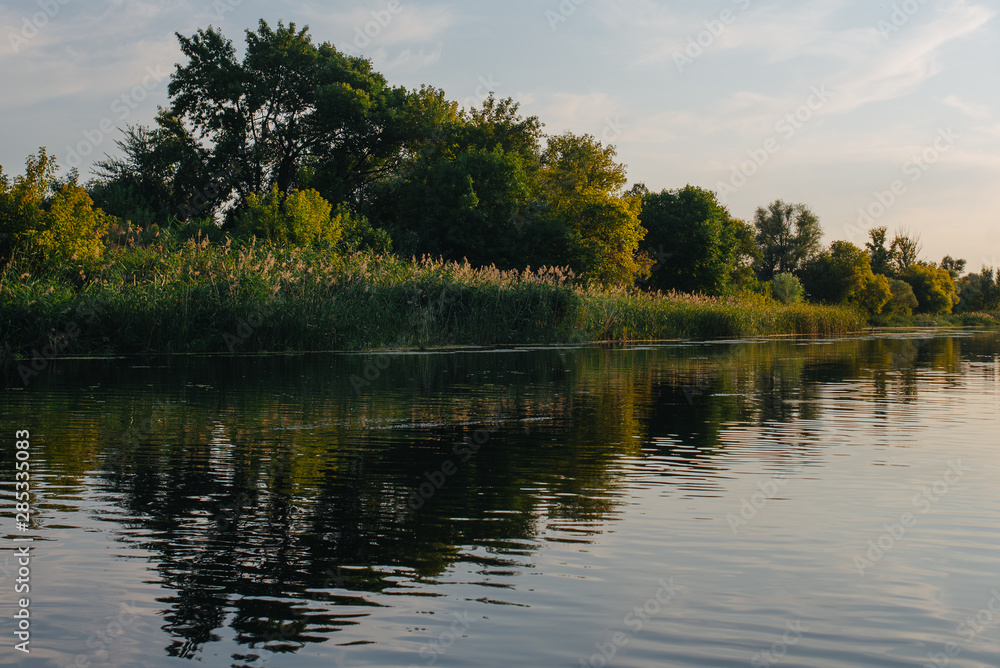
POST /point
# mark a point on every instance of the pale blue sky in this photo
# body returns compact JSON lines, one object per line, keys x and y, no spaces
{"x":689,"y":92}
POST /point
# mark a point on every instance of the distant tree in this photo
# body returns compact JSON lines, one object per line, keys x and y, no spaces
{"x":953,"y":266}
{"x":788,"y":235}
{"x":980,"y":292}
{"x":933,"y":287}
{"x":843,"y":275}
{"x":903,"y":301}
{"x":880,"y":255}
{"x":905,"y":251}
{"x":696,"y":244}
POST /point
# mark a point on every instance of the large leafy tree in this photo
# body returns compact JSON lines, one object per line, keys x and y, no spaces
{"x":467,"y":189}
{"x":582,"y":185}
{"x":788,"y":235}
{"x":291,"y":113}
{"x":698,"y":246}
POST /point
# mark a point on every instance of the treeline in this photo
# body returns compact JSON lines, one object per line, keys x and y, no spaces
{"x":298,"y":144}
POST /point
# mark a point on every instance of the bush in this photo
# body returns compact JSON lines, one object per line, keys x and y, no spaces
{"x":933,"y":288}
{"x":300,"y":219}
{"x":903,"y":301}
{"x":787,"y":289}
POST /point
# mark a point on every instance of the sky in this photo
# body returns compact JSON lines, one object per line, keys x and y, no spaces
{"x":869,"y":113}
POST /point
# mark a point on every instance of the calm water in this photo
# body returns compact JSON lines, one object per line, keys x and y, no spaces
{"x":757,"y":503}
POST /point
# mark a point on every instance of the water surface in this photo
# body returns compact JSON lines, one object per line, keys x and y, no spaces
{"x":768,"y":503}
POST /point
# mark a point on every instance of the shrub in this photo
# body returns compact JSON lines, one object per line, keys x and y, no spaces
{"x":903,"y":301}
{"x":933,"y":288}
{"x":787,"y":289}
{"x":300,"y":219}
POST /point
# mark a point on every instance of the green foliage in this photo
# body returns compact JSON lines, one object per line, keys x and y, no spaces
{"x":697,"y":245}
{"x":788,"y":235}
{"x":904,"y":251}
{"x":843,"y":275}
{"x":903,"y":301}
{"x":980,"y":292}
{"x":880,"y":256}
{"x":581,"y":185}
{"x":73,"y":228}
{"x":933,"y":287}
{"x":787,"y":289}
{"x":300,"y":219}
{"x":51,"y":230}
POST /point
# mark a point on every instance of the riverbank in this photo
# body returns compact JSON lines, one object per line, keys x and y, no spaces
{"x":204,"y":298}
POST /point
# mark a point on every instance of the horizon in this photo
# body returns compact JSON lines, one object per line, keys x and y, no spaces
{"x":869,"y":115}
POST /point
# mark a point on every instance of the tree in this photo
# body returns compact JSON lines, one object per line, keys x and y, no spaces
{"x":73,"y":228}
{"x":980,"y":292}
{"x":953,"y":266}
{"x":290,"y":111}
{"x":905,"y":251}
{"x":788,"y":235}
{"x":581,"y":184}
{"x":697,"y":245}
{"x":880,"y":256}
{"x":843,"y":275}
{"x":933,"y":287}
{"x":22,"y":201}
{"x":903,"y":301}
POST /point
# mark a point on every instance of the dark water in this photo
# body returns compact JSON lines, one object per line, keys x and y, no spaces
{"x":759,"y":503}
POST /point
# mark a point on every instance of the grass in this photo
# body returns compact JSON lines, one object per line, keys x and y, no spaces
{"x":212,"y":298}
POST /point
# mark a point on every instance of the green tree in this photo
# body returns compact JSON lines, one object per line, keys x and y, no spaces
{"x":843,"y":275}
{"x":788,"y":235}
{"x":980,"y":292}
{"x":952,"y":266}
{"x":73,"y":228}
{"x":290,"y":114}
{"x":903,"y":301}
{"x":581,"y":183}
{"x":881,"y":257}
{"x":933,"y":287}
{"x":22,"y":201}
{"x":697,"y":245}
{"x":905,"y":251}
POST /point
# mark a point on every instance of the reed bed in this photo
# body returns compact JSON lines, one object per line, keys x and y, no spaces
{"x":205,"y":298}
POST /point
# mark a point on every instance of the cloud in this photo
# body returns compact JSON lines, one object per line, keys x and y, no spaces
{"x":978,"y":111}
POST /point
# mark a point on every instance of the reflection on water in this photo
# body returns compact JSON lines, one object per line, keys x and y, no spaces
{"x":685,"y":504}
